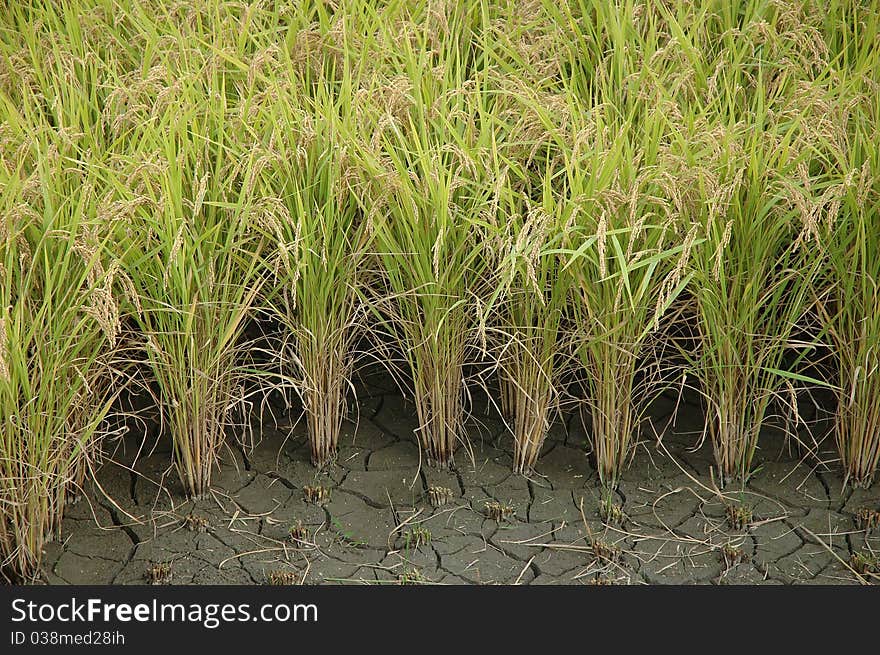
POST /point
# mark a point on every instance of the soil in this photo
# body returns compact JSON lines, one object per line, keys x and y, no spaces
{"x":666,"y":524}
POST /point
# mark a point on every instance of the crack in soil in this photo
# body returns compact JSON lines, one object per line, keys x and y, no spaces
{"x":117,"y":521}
{"x":244,"y":458}
{"x":274,"y":475}
{"x":366,"y":499}
{"x":132,"y":489}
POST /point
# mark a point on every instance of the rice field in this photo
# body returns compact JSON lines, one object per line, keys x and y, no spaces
{"x":569,"y":207}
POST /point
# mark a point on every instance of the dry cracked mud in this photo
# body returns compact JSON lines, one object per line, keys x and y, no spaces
{"x":666,"y":524}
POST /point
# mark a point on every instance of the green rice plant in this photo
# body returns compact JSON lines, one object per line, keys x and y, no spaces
{"x":751,"y":286}
{"x":850,"y":296}
{"x":430,"y":253}
{"x":843,"y":211}
{"x":55,"y":59}
{"x":317,"y":243}
{"x":753,"y":142}
{"x":627,"y":240}
{"x":624,"y":251}
{"x":529,"y":186}
{"x":627,"y":264}
{"x":426,"y":197}
{"x":439,"y":496}
{"x":193,"y":259}
{"x":526,"y":317}
{"x":59,"y":325}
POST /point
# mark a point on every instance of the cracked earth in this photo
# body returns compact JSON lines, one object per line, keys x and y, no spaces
{"x":375,"y":523}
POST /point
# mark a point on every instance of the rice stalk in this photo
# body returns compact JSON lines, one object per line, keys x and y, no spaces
{"x":192,"y":257}
{"x":318,"y":243}
{"x":848,"y":296}
{"x":59,"y":326}
{"x":527,"y":315}
{"x":425,"y":197}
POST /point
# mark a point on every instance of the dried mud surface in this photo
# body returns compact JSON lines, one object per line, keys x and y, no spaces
{"x":378,"y":527}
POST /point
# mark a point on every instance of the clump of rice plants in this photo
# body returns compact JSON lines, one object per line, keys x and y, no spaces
{"x":317,"y":494}
{"x":196,"y":523}
{"x":193,"y":260}
{"x":626,"y":255}
{"x":606,"y":552}
{"x":738,"y":516}
{"x":848,"y":309}
{"x":611,"y":512}
{"x":412,"y":576}
{"x":624,"y":241}
{"x":743,"y":160}
{"x":527,"y":315}
{"x":297,"y":533}
{"x":426,"y":198}
{"x":751,"y":284}
{"x":865,"y":563}
{"x":856,"y":333}
{"x":867,"y":519}
{"x":732,"y":555}
{"x":315,"y":257}
{"x":498,"y":512}
{"x":59,"y":325}
{"x":282,"y":578}
{"x":416,"y":537}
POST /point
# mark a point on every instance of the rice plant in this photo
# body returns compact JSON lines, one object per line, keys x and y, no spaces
{"x":534,"y":189}
{"x":624,"y":249}
{"x":751,"y":285}
{"x":848,"y":304}
{"x":627,"y":264}
{"x":756,"y":161}
{"x":318,"y":242}
{"x":843,"y":211}
{"x":527,"y":322}
{"x":59,"y":324}
{"x":425,"y":196}
{"x":854,"y":330}
{"x":193,"y":260}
